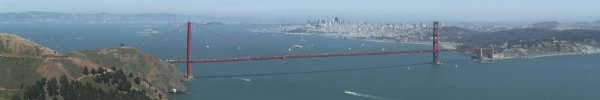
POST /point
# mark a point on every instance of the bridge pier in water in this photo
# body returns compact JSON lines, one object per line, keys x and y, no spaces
{"x":436,"y":43}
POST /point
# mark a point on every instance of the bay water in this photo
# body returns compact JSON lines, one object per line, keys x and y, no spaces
{"x":385,"y":77}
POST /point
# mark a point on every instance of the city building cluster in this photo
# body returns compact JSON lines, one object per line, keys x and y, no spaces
{"x":402,"y":32}
{"x":361,"y":30}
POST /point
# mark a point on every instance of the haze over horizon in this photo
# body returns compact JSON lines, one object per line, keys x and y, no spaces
{"x":503,"y":11}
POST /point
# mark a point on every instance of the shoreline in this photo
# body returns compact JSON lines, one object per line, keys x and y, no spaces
{"x":450,"y":45}
{"x":541,"y":56}
{"x":443,"y":45}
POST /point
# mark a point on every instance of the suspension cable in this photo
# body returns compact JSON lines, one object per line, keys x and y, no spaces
{"x":239,"y":41}
{"x":163,"y":37}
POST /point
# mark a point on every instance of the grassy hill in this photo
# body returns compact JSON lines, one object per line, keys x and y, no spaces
{"x":24,"y":63}
{"x":159,"y":73}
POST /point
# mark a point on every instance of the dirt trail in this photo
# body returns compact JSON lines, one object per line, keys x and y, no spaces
{"x":79,"y":78}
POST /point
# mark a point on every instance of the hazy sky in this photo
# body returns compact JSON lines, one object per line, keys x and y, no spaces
{"x":420,"y":10}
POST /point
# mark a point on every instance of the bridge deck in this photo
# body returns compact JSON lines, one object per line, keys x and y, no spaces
{"x":283,"y":57}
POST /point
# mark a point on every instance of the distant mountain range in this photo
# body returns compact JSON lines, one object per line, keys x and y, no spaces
{"x":102,"y":17}
{"x":554,"y":25}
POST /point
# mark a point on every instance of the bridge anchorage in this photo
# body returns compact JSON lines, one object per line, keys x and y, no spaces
{"x":435,"y":51}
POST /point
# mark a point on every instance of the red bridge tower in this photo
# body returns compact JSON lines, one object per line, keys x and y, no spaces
{"x":189,"y":51}
{"x":436,"y":43}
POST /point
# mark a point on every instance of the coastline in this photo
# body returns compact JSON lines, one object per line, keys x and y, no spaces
{"x":444,"y":45}
{"x":450,"y":45}
{"x":541,"y":56}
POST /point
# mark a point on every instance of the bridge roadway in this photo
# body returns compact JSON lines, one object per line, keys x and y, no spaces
{"x":322,"y":55}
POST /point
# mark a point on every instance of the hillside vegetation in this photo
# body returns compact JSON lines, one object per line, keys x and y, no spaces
{"x":533,"y":42}
{"x":25,"y":66}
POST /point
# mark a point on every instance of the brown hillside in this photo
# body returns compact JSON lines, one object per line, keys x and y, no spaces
{"x":159,"y":73}
{"x":22,"y":62}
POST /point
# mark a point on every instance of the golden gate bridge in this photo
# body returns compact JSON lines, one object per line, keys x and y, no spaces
{"x":435,"y":51}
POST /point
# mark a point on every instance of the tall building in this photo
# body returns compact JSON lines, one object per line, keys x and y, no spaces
{"x":336,"y":20}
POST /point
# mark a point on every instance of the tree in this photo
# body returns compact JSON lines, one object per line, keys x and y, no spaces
{"x":52,"y":87}
{"x":119,"y":77}
{"x":43,"y":84}
{"x":36,"y":91}
{"x":93,"y":71}
{"x":124,"y":86}
{"x":85,"y":70}
{"x":100,"y":70}
{"x":64,"y":85}
{"x":130,"y":75}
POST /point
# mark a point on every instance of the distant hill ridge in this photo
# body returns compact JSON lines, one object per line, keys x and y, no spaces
{"x":100,"y":17}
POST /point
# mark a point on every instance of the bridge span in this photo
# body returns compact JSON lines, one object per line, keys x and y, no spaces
{"x":435,"y":51}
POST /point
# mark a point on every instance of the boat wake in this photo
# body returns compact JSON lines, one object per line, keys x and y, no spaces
{"x":246,"y":79}
{"x":365,"y":95}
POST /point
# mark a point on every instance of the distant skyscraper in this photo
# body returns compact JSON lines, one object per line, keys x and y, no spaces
{"x":336,"y":20}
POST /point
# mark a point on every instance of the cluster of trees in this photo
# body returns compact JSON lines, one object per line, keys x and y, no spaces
{"x":75,"y":90}
{"x":116,"y":78}
{"x":93,"y":71}
{"x":44,"y":87}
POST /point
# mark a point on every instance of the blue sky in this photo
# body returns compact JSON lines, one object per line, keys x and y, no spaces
{"x":454,"y":10}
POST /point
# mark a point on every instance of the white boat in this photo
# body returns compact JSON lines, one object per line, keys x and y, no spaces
{"x":246,"y":79}
{"x":297,"y":46}
{"x":382,"y":49}
{"x":289,"y":49}
{"x":147,"y":31}
{"x":207,"y":46}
